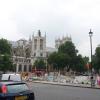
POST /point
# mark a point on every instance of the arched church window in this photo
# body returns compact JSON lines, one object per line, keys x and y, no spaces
{"x":30,"y":68}
{"x":41,"y":54}
{"x":41,"y":44}
{"x":35,"y":44}
{"x":20,"y":68}
{"x":25,"y":68}
{"x":34,"y":54}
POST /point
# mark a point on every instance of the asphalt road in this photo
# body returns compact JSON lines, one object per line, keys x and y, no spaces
{"x":55,"y":92}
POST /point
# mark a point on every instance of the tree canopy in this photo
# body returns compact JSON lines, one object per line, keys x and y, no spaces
{"x":40,"y":64}
{"x":68,"y":48}
{"x":5,"y":56}
{"x":96,"y":59}
{"x":67,"y":57}
{"x":5,"y":47}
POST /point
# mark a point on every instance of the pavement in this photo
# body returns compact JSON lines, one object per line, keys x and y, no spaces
{"x":67,"y":84}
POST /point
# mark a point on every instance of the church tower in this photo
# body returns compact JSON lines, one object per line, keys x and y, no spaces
{"x":38,"y":50}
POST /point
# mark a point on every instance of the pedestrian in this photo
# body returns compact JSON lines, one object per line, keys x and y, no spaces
{"x":98,"y":80}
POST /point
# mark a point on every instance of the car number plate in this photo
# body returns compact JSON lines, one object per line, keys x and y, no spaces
{"x":21,"y":98}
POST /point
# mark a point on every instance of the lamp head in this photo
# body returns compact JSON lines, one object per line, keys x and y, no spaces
{"x":90,"y":33}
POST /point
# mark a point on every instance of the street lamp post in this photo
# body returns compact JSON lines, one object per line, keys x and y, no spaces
{"x":90,"y":35}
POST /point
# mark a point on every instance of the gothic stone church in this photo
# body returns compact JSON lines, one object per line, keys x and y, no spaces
{"x":26,"y":52}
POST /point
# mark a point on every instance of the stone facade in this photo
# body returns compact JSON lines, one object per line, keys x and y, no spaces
{"x":59,"y":41}
{"x":38,"y":49}
{"x":21,"y":51}
{"x":26,"y":52}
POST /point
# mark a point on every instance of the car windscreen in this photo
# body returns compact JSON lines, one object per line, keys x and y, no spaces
{"x":16,"y":88}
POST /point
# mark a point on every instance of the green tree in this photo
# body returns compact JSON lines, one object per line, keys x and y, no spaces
{"x":52,"y":60}
{"x":86,"y":59}
{"x":96,"y":59}
{"x":67,"y":57}
{"x":63,"y":61}
{"x":69,"y":49}
{"x":80,"y":64}
{"x":64,"y":57}
{"x":5,"y":56}
{"x":5,"y":47}
{"x":40,"y":64}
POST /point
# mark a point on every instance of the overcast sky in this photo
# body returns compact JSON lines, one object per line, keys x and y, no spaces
{"x":22,"y":18}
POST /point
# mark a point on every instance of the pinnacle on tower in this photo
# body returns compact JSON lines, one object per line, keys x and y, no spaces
{"x":39,"y":33}
{"x":30,"y":38}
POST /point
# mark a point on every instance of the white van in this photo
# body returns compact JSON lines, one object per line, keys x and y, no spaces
{"x":13,"y":77}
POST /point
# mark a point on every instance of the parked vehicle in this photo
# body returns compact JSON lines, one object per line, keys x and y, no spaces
{"x":13,"y":77}
{"x":12,"y":90}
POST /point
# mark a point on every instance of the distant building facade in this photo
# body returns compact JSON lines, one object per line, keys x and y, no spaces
{"x":61,"y":41}
{"x":38,"y":49}
{"x":26,"y":52}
